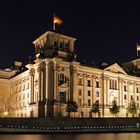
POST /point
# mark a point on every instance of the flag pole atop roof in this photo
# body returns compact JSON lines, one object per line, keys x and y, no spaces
{"x":56,"y":20}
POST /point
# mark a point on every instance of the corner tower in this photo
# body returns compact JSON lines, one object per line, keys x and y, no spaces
{"x":52,"y":44}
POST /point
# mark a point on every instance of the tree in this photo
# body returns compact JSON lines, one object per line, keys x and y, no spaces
{"x":71,"y":107}
{"x":95,"y":107}
{"x":114,"y":109}
{"x":132,"y":108}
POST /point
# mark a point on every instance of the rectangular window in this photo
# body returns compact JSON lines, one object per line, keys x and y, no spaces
{"x":124,"y":87}
{"x":61,"y":78}
{"x":137,"y":89}
{"x":23,"y":87}
{"x":97,"y":84}
{"x":89,"y":102}
{"x":27,"y":85}
{"x":115,"y":84}
{"x":79,"y":92}
{"x":131,"y":97}
{"x":138,"y":105}
{"x":62,"y":97}
{"x":88,"y":83}
{"x":110,"y":83}
{"x":79,"y":81}
{"x":137,"y":98}
{"x":97,"y":93}
{"x":125,"y":97}
{"x":88,"y":92}
{"x":80,"y":101}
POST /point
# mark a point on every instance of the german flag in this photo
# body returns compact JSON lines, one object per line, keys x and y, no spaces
{"x":57,"y":20}
{"x":138,"y":47}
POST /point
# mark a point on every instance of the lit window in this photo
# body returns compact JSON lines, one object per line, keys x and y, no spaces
{"x":97,"y":93}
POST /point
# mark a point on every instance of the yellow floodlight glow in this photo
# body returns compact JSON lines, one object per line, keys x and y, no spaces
{"x":5,"y":113}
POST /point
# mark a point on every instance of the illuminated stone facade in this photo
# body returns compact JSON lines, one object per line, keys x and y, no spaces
{"x":55,"y":78}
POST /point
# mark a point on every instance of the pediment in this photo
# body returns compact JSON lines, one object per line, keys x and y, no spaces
{"x":115,"y":68}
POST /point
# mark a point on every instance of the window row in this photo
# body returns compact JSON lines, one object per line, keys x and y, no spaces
{"x":131,"y":97}
{"x":22,"y":104}
{"x":113,"y":84}
{"x":89,"y":103}
{"x":88,"y":93}
{"x":89,"y":84}
{"x":20,"y":88}
{"x":22,"y":97}
{"x":132,"y":88}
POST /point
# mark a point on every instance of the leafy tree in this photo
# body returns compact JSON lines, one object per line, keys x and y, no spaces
{"x":132,"y":108}
{"x":114,"y":109}
{"x":95,"y":107}
{"x":71,"y":107}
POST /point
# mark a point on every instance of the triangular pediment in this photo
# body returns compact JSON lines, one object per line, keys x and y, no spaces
{"x":115,"y":68}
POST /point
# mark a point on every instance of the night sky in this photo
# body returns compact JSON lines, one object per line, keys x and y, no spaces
{"x":106,"y":30}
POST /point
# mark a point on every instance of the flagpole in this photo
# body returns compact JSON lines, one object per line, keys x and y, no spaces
{"x":53,"y":22}
{"x":137,"y":50}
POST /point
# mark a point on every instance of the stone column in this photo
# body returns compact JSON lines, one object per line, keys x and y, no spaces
{"x":55,"y":90}
{"x":103,"y":93}
{"x":93,"y":89}
{"x":104,"y":90}
{"x":75,"y":85}
{"x":107,"y":90}
{"x":55,"y":82}
{"x":31,"y":85}
{"x":73,"y":82}
{"x":39,"y":83}
{"x":134,"y":91}
{"x":47,"y":78}
{"x":42,"y":85}
{"x":84,"y":90}
{"x":119,"y":92}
